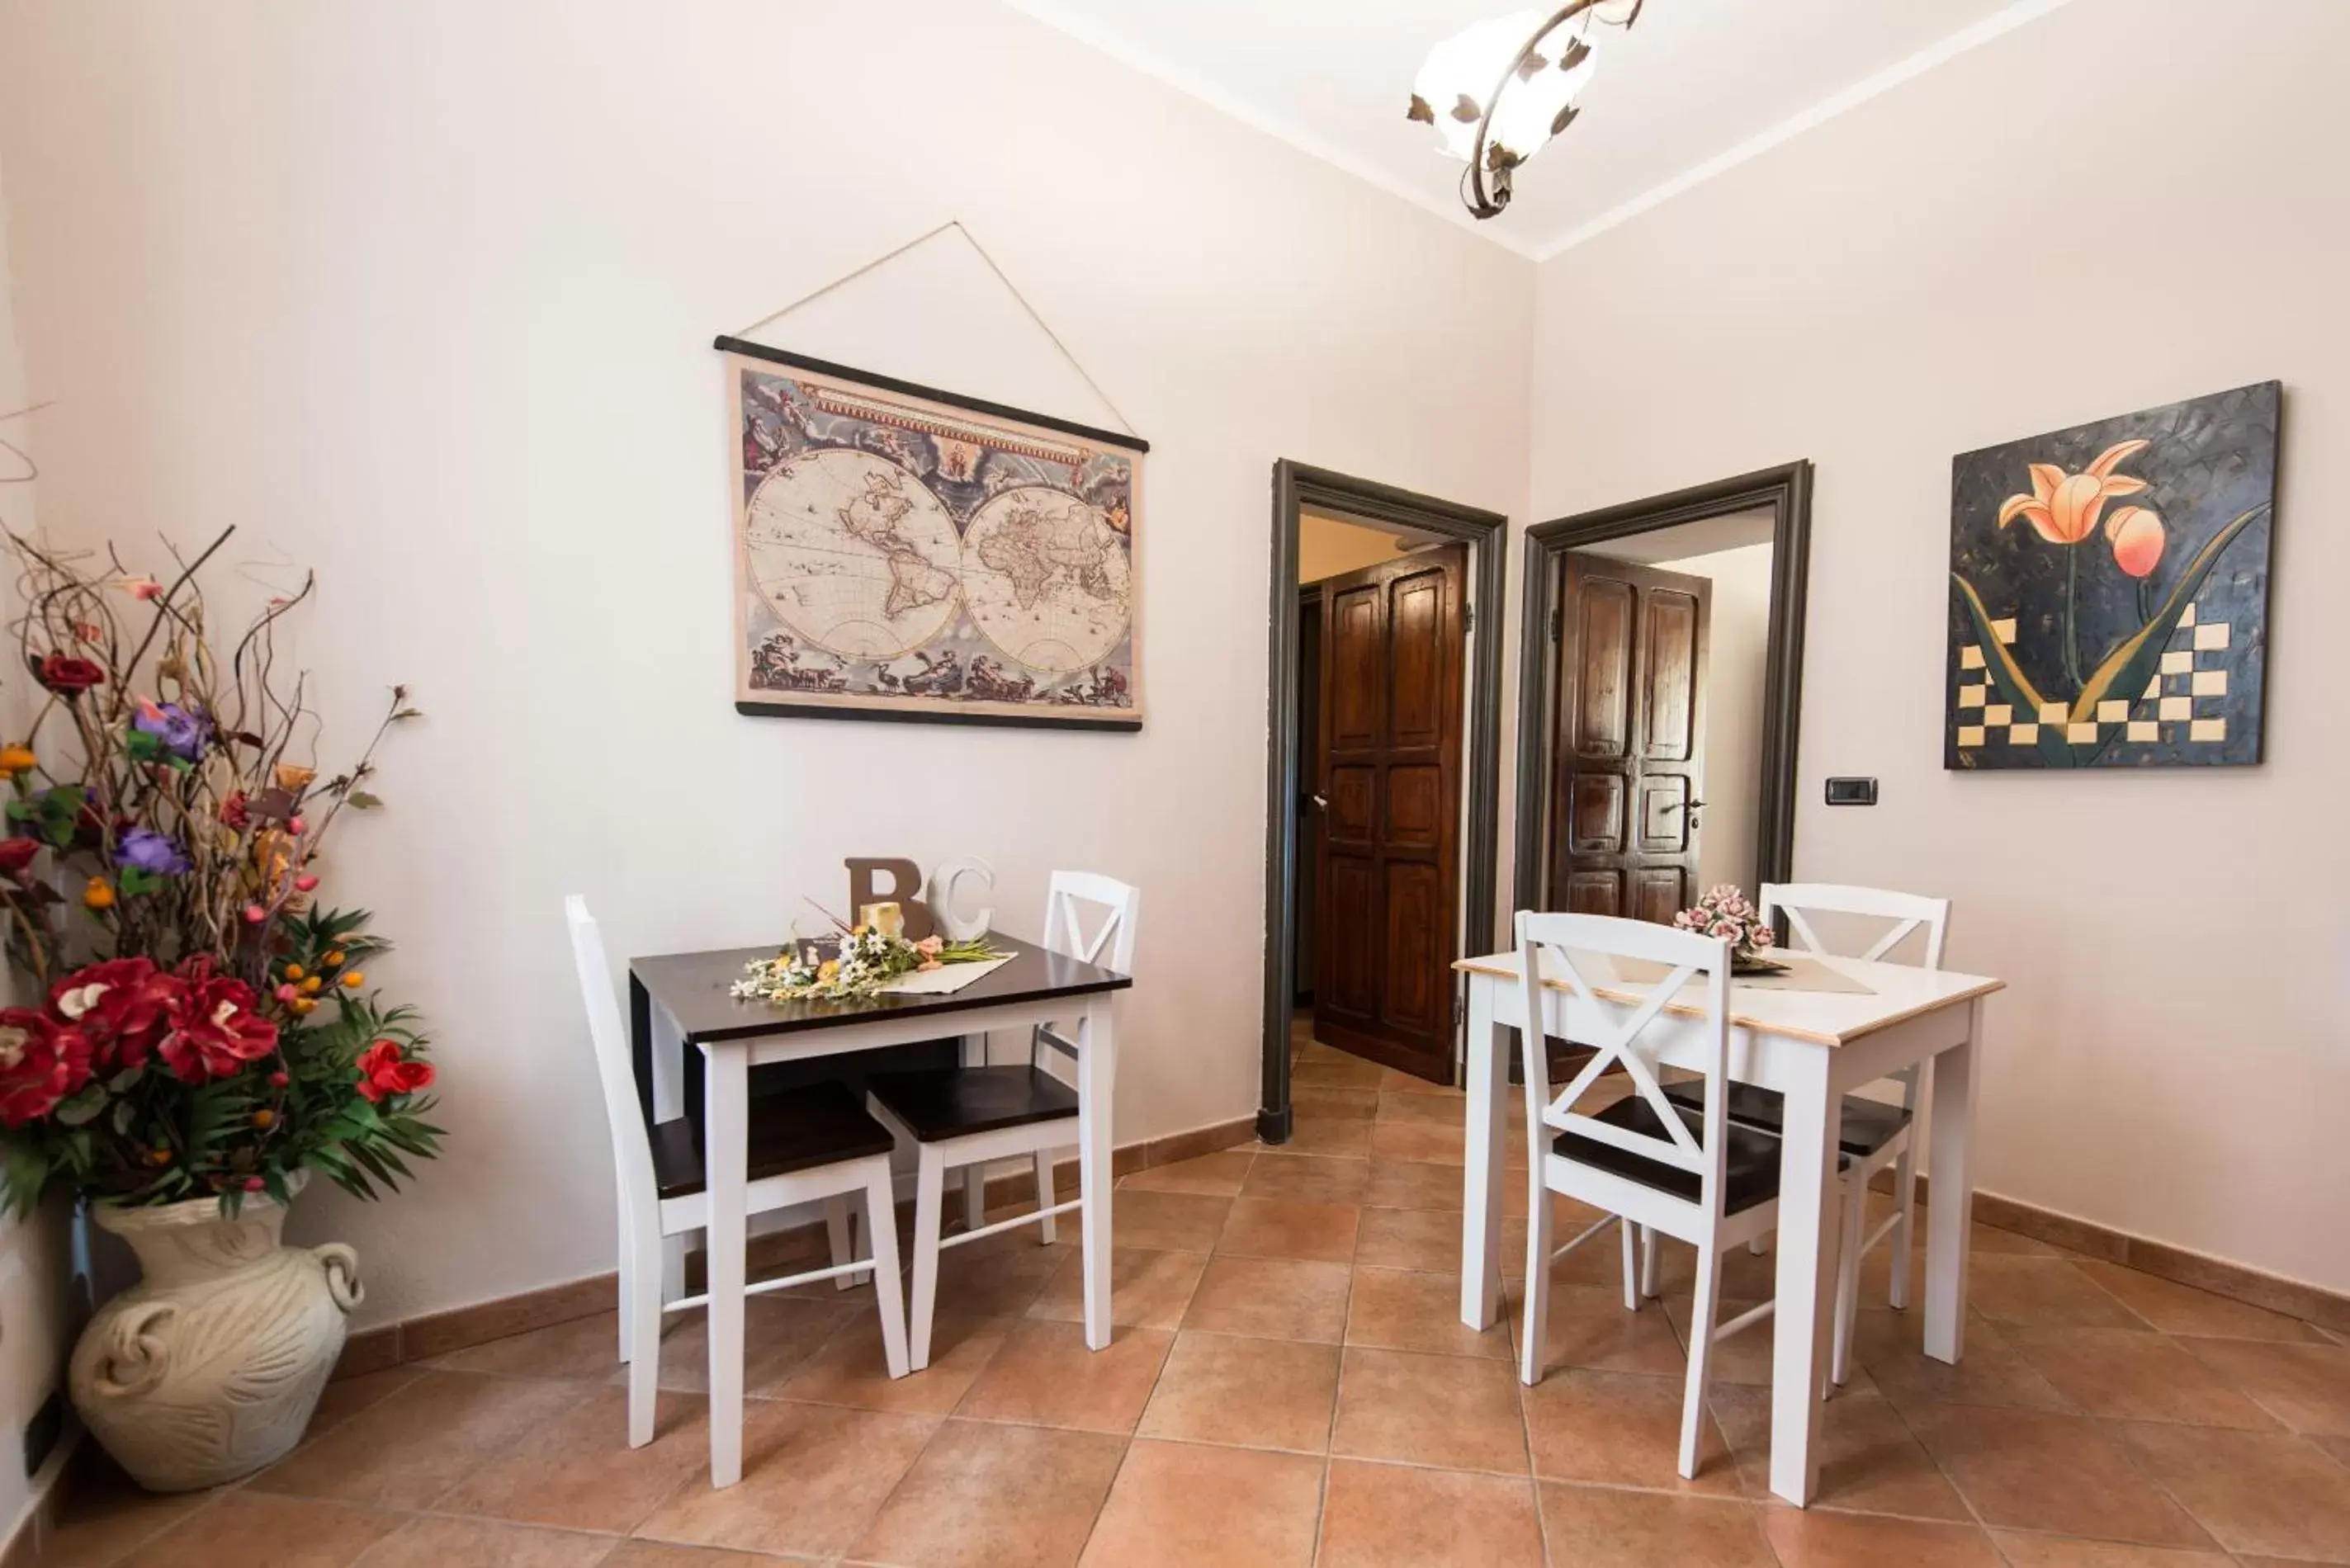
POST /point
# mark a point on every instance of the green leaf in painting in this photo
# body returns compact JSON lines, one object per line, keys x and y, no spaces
{"x":2008,"y":676}
{"x":2128,"y":669}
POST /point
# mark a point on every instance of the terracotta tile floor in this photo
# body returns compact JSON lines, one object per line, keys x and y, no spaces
{"x":1290,"y":1385}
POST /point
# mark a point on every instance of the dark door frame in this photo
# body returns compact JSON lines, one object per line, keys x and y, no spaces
{"x":1295,"y":486}
{"x":1787,"y":490}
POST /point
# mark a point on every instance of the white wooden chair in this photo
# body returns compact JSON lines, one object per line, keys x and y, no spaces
{"x":806,"y":1145}
{"x":1873,"y":1135}
{"x":1648,"y":1162}
{"x":965,"y":1117}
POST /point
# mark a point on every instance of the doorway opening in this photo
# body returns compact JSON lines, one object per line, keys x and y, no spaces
{"x":1383,"y":768}
{"x":1659,"y":697}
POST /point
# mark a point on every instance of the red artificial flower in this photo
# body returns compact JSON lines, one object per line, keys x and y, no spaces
{"x":63,"y":672}
{"x":213,"y":1029}
{"x":235,"y":813}
{"x":383,"y":1072}
{"x":121,"y":1005}
{"x":16,"y":856}
{"x":41,"y":1062}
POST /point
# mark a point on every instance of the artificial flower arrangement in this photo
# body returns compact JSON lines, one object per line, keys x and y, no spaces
{"x":1726,"y":912}
{"x":204,"y":1028}
{"x":872,"y":954}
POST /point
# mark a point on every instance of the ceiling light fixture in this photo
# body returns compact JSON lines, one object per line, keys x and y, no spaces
{"x":1496,"y":100}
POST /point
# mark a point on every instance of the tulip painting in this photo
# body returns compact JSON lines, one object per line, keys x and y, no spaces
{"x":2109,"y":590}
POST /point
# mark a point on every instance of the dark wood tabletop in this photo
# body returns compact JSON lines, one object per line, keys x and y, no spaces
{"x":691,"y":988}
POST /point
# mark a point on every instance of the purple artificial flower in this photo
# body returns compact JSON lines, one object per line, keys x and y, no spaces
{"x":144,"y":850}
{"x":184,"y":732}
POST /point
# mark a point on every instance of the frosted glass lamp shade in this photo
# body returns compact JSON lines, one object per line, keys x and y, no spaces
{"x":1452,"y":87}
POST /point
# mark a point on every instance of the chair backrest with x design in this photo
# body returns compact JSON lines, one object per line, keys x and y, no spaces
{"x":1076,"y":903}
{"x":1907,"y":912}
{"x":1564,"y":946}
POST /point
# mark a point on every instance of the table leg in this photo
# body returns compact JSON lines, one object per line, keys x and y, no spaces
{"x":1480,"y":1200}
{"x":1807,"y":1278}
{"x":726,"y":1114}
{"x":1097,"y":1093}
{"x":1950,"y":1192}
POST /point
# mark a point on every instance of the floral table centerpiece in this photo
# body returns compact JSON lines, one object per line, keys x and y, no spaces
{"x":1726,"y":912}
{"x":200,"y":1036}
{"x":872,"y":957}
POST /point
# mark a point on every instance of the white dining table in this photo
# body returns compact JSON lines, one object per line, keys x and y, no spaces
{"x":1814,"y":1047}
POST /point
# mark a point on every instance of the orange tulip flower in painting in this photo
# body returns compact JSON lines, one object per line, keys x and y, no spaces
{"x":2065,"y":507}
{"x":2136,"y":534}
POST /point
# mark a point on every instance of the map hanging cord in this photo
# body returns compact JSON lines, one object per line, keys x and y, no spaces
{"x":1001,"y":276}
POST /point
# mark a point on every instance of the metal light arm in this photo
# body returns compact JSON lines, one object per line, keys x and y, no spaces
{"x":1486,"y":202}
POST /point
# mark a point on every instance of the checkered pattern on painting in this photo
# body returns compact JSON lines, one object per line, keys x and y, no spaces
{"x":2185,"y":702}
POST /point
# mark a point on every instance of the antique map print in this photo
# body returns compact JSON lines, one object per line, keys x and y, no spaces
{"x":905,"y":554}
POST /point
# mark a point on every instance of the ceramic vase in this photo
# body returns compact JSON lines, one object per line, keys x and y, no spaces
{"x":209,"y":1367}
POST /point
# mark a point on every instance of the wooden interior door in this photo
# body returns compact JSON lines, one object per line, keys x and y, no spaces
{"x":1628,"y":763}
{"x":1389,"y":775}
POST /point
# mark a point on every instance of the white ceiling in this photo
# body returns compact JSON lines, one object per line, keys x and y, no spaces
{"x":1697,"y":86}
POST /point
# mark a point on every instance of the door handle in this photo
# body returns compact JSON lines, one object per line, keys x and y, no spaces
{"x":1321,"y":803}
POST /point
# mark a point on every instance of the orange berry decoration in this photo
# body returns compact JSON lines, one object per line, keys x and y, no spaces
{"x":294,"y":971}
{"x":264,"y":1119}
{"x":332,"y":958}
{"x":355,"y":979}
{"x":302,"y":1005}
{"x":18,"y":760}
{"x":99,"y":894}
{"x":310,"y":986}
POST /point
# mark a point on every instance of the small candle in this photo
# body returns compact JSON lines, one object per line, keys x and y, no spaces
{"x":886,"y":919}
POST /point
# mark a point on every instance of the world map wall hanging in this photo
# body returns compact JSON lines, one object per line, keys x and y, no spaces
{"x":903,"y":553}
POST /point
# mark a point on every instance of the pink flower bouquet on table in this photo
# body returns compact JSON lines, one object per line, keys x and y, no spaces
{"x":1728,"y":913}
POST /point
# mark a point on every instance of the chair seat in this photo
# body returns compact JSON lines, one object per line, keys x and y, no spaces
{"x":959,"y":1101}
{"x":798,"y":1129}
{"x":1867,"y":1124}
{"x":1751,"y":1173}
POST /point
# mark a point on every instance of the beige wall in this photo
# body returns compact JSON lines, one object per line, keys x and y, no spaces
{"x":35,"y":1276}
{"x":423,"y":294}
{"x":1976,"y":256}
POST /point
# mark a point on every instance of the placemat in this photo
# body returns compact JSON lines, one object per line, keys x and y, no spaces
{"x":1801,"y":974}
{"x":945,"y":979}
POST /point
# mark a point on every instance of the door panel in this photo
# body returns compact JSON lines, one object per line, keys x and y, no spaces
{"x":1627,"y":748}
{"x":1350,"y":661}
{"x":1595,"y":892}
{"x":1669,"y":642}
{"x":1345,"y":984}
{"x":1393,"y":668}
{"x":1659,"y":893}
{"x":1419,"y":982}
{"x":1664,"y":815}
{"x":1603,"y":645}
{"x":1416,"y":805}
{"x":1595,"y":819}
